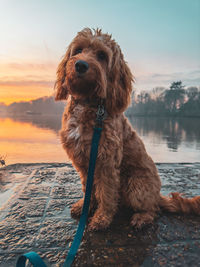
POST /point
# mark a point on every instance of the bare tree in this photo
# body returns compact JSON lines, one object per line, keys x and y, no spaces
{"x":174,"y":97}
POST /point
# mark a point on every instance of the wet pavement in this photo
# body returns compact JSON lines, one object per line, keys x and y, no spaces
{"x":35,"y":201}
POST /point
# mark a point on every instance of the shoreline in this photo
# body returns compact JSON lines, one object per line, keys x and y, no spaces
{"x":69,"y":163}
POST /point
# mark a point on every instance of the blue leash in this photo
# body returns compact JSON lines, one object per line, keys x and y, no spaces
{"x":32,"y":256}
{"x":77,"y":240}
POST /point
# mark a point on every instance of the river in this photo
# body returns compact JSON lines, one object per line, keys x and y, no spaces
{"x":35,"y":138}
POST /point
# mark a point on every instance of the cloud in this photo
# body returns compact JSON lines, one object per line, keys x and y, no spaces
{"x":18,"y":83}
{"x":178,"y":75}
{"x":27,"y":74}
{"x":30,"y":66}
{"x":151,"y":80}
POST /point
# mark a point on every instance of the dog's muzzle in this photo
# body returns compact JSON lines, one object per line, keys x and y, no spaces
{"x":81,"y":66}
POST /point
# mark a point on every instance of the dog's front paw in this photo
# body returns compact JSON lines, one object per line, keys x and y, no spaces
{"x":76,"y":209}
{"x":99,"y":222}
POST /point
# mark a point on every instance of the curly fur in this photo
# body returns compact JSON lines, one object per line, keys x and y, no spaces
{"x":124,"y":173}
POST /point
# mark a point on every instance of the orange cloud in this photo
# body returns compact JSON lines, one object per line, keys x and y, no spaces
{"x":22,"y":83}
{"x":30,"y":66}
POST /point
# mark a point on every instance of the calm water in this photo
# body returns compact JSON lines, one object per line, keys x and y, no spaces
{"x":35,"y":138}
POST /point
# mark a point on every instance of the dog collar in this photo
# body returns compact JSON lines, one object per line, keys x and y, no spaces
{"x":97,"y":103}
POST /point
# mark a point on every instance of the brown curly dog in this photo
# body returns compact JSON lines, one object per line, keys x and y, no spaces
{"x":93,"y":68}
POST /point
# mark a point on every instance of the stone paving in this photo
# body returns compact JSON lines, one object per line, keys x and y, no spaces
{"x":35,"y":202}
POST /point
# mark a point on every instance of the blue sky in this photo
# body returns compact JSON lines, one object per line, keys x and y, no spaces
{"x":160,"y":39}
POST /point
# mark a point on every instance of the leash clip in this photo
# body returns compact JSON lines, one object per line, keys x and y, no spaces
{"x":101,"y":115}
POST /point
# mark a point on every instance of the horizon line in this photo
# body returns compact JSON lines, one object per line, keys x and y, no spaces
{"x":2,"y":103}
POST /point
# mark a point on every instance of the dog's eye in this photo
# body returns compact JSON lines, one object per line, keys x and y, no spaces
{"x":101,"y":55}
{"x":78,"y":51}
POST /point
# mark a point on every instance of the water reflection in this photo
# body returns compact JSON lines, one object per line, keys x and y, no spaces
{"x":174,"y":131}
{"x":52,"y":122}
{"x":25,"y":141}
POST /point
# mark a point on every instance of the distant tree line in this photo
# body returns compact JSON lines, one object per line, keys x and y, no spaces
{"x":175,"y":101}
{"x":43,"y":105}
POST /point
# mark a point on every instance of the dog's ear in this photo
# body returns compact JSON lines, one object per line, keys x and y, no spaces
{"x":61,"y":91}
{"x":120,"y":84}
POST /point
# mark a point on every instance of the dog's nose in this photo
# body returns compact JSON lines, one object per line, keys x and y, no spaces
{"x":81,"y":66}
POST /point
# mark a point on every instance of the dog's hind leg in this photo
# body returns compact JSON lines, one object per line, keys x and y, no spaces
{"x":142,"y":194}
{"x":140,"y":182}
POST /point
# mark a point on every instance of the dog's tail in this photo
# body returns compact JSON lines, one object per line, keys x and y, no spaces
{"x":177,"y":204}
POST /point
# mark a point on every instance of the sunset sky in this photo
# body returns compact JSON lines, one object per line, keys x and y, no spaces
{"x":160,"y":40}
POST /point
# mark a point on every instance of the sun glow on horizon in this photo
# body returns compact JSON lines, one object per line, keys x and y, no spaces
{"x":26,"y":81}
{"x":13,"y":94}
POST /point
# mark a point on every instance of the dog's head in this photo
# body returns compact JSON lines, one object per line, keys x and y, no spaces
{"x":94,"y":67}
